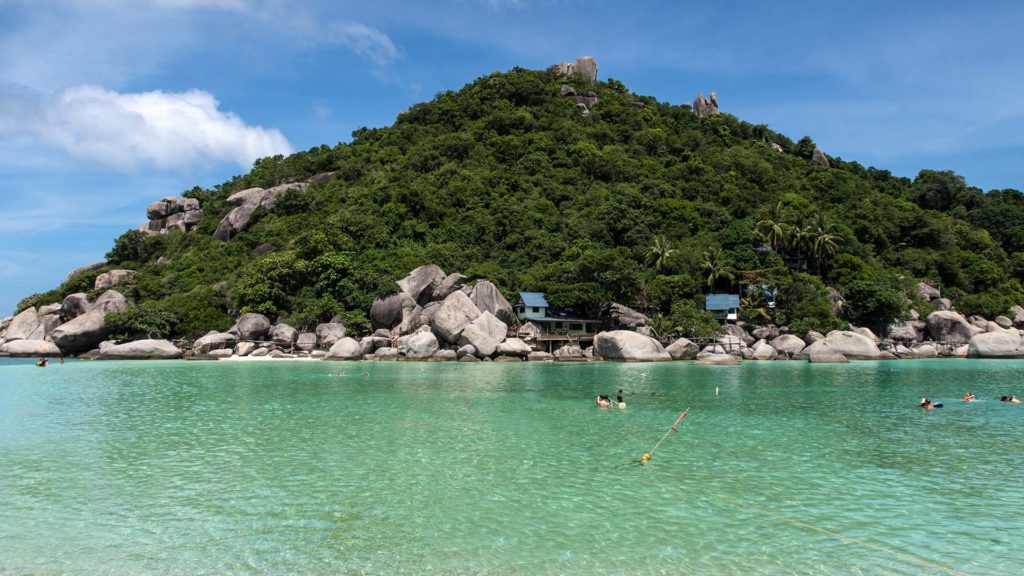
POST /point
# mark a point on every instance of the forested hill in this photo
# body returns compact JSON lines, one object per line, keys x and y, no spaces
{"x":628,"y":200}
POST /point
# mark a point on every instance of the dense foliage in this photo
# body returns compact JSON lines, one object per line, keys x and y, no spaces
{"x":640,"y":202}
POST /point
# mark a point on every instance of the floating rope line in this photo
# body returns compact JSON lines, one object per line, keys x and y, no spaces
{"x":897,"y":553}
{"x":671,"y":429}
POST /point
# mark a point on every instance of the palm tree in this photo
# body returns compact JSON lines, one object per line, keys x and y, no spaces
{"x":773,"y":227}
{"x":660,"y":254}
{"x":801,"y":240}
{"x":716,"y":267}
{"x":826,"y":239}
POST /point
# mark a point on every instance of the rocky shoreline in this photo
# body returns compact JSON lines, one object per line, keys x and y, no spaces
{"x":438,"y":317}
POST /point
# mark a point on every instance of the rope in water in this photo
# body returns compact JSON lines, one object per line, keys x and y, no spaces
{"x":671,"y":429}
{"x":897,"y":553}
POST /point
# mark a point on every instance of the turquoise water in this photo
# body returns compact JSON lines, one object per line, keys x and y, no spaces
{"x":414,"y":468}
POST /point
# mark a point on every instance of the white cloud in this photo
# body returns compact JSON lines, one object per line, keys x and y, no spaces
{"x":364,"y":41}
{"x":165,"y":129}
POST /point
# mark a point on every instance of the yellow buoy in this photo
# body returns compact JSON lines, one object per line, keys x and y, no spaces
{"x":647,"y":458}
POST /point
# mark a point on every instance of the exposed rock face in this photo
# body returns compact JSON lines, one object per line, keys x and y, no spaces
{"x":764,"y":351}
{"x":114,"y":278}
{"x":942,"y":304}
{"x":626,"y":345}
{"x":253,"y":326}
{"x":74,"y":305}
{"x":387,"y":312}
{"x":283,"y":335}
{"x":566,"y":91}
{"x":513,"y":347}
{"x":946,"y":325}
{"x":141,"y":350}
{"x":421,"y":283}
{"x":453,"y":316}
{"x":81,"y":334}
{"x":852,"y":345}
{"x":25,"y":326}
{"x":539,"y":356}
{"x":172,"y":213}
{"x":904,"y":331}
{"x":765,"y":332}
{"x":344,"y":349}
{"x":246,"y":202}
{"x":306,"y":341}
{"x":1001,"y":344}
{"x":777,"y":147}
{"x":82,"y":270}
{"x":812,"y":337}
{"x":585,"y":67}
{"x":739,"y":333}
{"x":329,"y":333}
{"x":1018,"y":316}
{"x":109,"y":302}
{"x":215,"y":341}
{"x":825,"y":356}
{"x":484,"y":333}
{"x":705,"y":107}
{"x":1003,"y":322}
{"x":386,"y":353}
{"x":867,"y":333}
{"x":819,"y":157}
{"x":717,"y":360}
{"x":626,"y":318}
{"x":488,"y":298}
{"x":568,"y":353}
{"x":422,"y":344}
{"x":682,"y":349}
{"x":789,"y":344}
{"x":926,"y":351}
{"x":25,"y":348}
{"x":445,"y":356}
{"x":451,"y":283}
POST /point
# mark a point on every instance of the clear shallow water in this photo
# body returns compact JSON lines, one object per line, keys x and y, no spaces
{"x":414,"y":468}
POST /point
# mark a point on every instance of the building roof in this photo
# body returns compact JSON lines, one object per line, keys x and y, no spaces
{"x":533,"y":299}
{"x":721,"y":301}
{"x":550,"y":319}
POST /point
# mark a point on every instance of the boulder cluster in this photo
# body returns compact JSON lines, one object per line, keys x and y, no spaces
{"x":703,"y":106}
{"x":172,"y":213}
{"x":253,"y":335}
{"x":584,"y":102}
{"x":584,"y":67}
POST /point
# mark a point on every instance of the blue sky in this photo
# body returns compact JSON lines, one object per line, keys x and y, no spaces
{"x":108,"y":105}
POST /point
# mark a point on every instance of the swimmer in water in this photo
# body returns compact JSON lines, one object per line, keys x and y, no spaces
{"x":969,"y":397}
{"x":603,"y":401}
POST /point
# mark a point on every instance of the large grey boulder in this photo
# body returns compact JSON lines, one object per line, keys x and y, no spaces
{"x":903,"y":331}
{"x":81,"y":334}
{"x":215,"y":341}
{"x":927,"y":292}
{"x":283,"y":335}
{"x":1003,"y":322}
{"x":850,"y":344}
{"x":453,"y":316}
{"x":421,"y":282}
{"x":1000,"y":344}
{"x":630,"y":346}
{"x":487,"y":298}
{"x":943,"y":304}
{"x":819,"y":157}
{"x":421,"y":345}
{"x":246,"y":202}
{"x":306,"y":341}
{"x":765,"y":332}
{"x":141,"y":350}
{"x":946,"y":325}
{"x":386,"y":353}
{"x":764,"y":351}
{"x":109,"y":302}
{"x":927,"y":351}
{"x":387,"y":312}
{"x":703,"y":106}
{"x":513,"y":347}
{"x":82,"y":270}
{"x":328,"y":333}
{"x":740,"y":333}
{"x":344,"y":349}
{"x":75,"y":305}
{"x":788,"y":344}
{"x":824,"y":355}
{"x":683,"y":349}
{"x":867,"y":333}
{"x":451,"y":283}
{"x":27,"y":348}
{"x":170,"y":213}
{"x":253,"y":326}
{"x":484,"y":333}
{"x":584,"y":67}
{"x":114,"y":278}
{"x":717,"y":360}
{"x":626,"y":318}
{"x":569,"y":353}
{"x":812,"y":337}
{"x":25,"y":326}
{"x":1018,"y":316}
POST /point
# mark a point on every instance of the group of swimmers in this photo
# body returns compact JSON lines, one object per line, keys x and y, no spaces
{"x":969,"y":397}
{"x":603,"y":401}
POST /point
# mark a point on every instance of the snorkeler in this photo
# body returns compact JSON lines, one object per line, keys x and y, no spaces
{"x":928,"y":404}
{"x":1010,"y":399}
{"x":969,"y":397}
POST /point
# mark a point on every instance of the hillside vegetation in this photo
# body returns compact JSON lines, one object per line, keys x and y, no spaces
{"x":640,"y":202}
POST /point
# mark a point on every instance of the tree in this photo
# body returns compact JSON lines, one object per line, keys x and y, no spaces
{"x":660,"y":254}
{"x":716,"y":267}
{"x":875,"y":304}
{"x":773,"y":227}
{"x":826,"y":239}
{"x":688,"y":319}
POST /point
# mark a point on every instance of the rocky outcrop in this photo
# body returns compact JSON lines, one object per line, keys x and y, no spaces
{"x":683,"y":349}
{"x":25,"y":326}
{"x":421,"y":283}
{"x":387,"y":312}
{"x":513,"y":347}
{"x":283,"y":335}
{"x":569,"y":353}
{"x":949,"y":326}
{"x":739,"y":333}
{"x":540,"y":357}
{"x":30,"y":348}
{"x":423,"y":344}
{"x":626,"y":318}
{"x":705,"y":106}
{"x":245,"y":203}
{"x":114,"y":278}
{"x":172,"y":213}
{"x":825,"y":356}
{"x":1003,"y":322}
{"x":788,"y":343}
{"x":764,"y":351}
{"x":903,"y":332}
{"x":453,"y":316}
{"x":306,"y":341}
{"x":344,"y":349}
{"x":214,"y":340}
{"x":141,"y":350}
{"x":451,"y":283}
{"x":484,"y":333}
{"x":81,"y":334}
{"x":82,"y":270}
{"x":717,"y":359}
{"x":852,"y":345}
{"x":819,"y":157}
{"x":1017,"y":312}
{"x":584,"y":67}
{"x":109,"y":302}
{"x":488,"y":298}
{"x":927,"y":292}
{"x":629,"y":346}
{"x":252,"y":326}
{"x":1000,"y":344}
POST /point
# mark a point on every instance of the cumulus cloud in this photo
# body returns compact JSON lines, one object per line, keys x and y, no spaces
{"x":126,"y":130}
{"x":365,"y":41}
